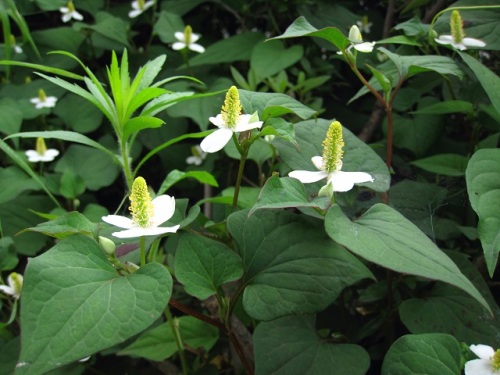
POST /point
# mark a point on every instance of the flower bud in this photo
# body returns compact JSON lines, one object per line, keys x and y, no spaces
{"x":107,"y":245}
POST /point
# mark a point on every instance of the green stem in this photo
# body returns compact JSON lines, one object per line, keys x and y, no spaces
{"x":142,"y":242}
{"x":127,"y":170}
{"x":178,"y":341}
{"x":239,"y":177}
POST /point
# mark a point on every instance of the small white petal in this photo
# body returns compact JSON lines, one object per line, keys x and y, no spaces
{"x":471,"y":42}
{"x":307,"y":177}
{"x":77,"y":16}
{"x":445,"y":39}
{"x":134,"y":13}
{"x":35,"y":100}
{"x":216,"y":141}
{"x":178,"y":46}
{"x":119,"y":221}
{"x":139,"y":231}
{"x":194,"y":38}
{"x":179,"y":35}
{"x":163,"y":209}
{"x":318,"y":162}
{"x":479,"y":367}
{"x":66,"y":17}
{"x":365,"y":47}
{"x":217,"y":121}
{"x":482,"y":351}
{"x":7,"y":290}
{"x":244,"y":125}
{"x":344,"y":181}
{"x":194,"y":160}
{"x":64,"y":9}
{"x":196,"y":48}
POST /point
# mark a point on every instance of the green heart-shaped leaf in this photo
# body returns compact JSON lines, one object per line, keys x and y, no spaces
{"x":74,"y":304}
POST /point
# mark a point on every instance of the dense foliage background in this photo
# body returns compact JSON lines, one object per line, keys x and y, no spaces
{"x":417,"y":280}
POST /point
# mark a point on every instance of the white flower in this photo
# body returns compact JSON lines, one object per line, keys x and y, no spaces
{"x":463,"y":45}
{"x":18,"y":49}
{"x":147,"y":214}
{"x":330,"y":165}
{"x":41,"y":153}
{"x":188,"y":40}
{"x":364,"y":25}
{"x":139,"y":6}
{"x":229,"y":121}
{"x":43,"y":101}
{"x":15,"y":285}
{"x":198,"y":156}
{"x":340,"y":181}
{"x":487,"y":364}
{"x":69,"y":12}
{"x":356,"y":40}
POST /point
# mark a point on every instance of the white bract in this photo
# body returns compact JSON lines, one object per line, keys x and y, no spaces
{"x":139,"y":7}
{"x":198,"y":156}
{"x":488,"y":362}
{"x":41,"y":153}
{"x":69,"y":12}
{"x":43,"y":101}
{"x":188,"y":40}
{"x":229,"y":122}
{"x":462,"y":45}
{"x":364,"y":25}
{"x":14,"y":285}
{"x":147,"y":214}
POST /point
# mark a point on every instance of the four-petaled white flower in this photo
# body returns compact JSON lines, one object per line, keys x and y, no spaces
{"x":41,"y":153}
{"x":187,"y":39}
{"x":462,"y":45}
{"x":147,"y":214}
{"x":197,"y":157}
{"x":43,"y":101}
{"x":487,"y":364}
{"x":229,"y":122}
{"x":364,"y":25}
{"x":69,"y":12}
{"x":15,"y":285}
{"x":357,"y":43}
{"x":330,"y":164}
{"x":457,"y":38}
{"x":139,"y":7}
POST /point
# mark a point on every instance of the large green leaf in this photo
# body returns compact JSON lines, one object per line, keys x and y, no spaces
{"x":433,"y":353}
{"x":483,"y":185}
{"x":300,"y":27}
{"x":447,"y":309}
{"x":489,"y":80}
{"x":271,"y":105}
{"x":74,"y":304}
{"x":358,"y":157}
{"x":291,"y":346}
{"x":78,"y":114}
{"x":66,"y":225}
{"x":202,"y":265}
{"x":444,"y":164}
{"x":159,"y":343}
{"x":290,"y":266}
{"x":385,"y":237}
{"x":272,"y":57}
{"x":175,"y":176}
{"x":12,"y":116}
{"x":13,"y":182}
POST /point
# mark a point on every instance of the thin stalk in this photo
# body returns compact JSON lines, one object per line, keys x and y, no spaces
{"x":239,"y":177}
{"x":195,"y":314}
{"x":142,"y":242}
{"x":178,"y":341}
{"x":127,"y":170}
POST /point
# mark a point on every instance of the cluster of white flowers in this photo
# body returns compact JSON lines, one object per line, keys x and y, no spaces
{"x":488,"y":362}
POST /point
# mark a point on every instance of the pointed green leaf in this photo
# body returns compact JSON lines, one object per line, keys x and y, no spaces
{"x":385,"y":237}
{"x":271,"y":57}
{"x":175,"y":176}
{"x":444,"y":164}
{"x":159,"y":343}
{"x":483,"y":186}
{"x":137,"y":124}
{"x":446,"y":107}
{"x":66,"y":225}
{"x":203,"y":265}
{"x":300,"y":27}
{"x":290,"y":266}
{"x":432,"y":353}
{"x":286,"y":192}
{"x":291,"y":346}
{"x":74,"y":304}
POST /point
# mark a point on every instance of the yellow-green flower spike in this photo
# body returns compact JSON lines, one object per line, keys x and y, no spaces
{"x":495,"y":360}
{"x":42,"y":95}
{"x":71,"y":6}
{"x":332,"y":148}
{"x":231,"y":110}
{"x":41,"y":147}
{"x":457,"y":27}
{"x":12,"y":39}
{"x":17,"y":282}
{"x":140,"y":203}
{"x":188,"y":31}
{"x":141,"y":4}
